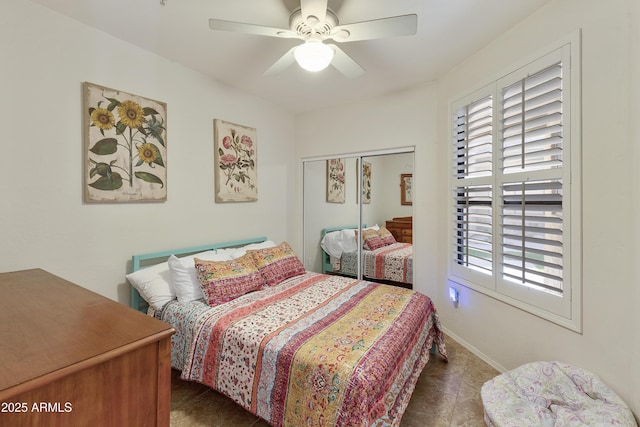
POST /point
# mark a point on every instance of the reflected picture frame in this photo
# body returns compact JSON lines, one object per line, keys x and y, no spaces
{"x":406,"y":189}
{"x":366,"y":181}
{"x":336,"y":181}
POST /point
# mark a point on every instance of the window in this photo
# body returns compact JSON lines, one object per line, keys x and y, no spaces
{"x":515,"y":186}
{"x":473,"y":166}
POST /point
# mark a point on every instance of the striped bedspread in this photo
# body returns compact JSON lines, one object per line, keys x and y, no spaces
{"x":393,"y":262}
{"x":346,"y":264}
{"x":315,"y":350}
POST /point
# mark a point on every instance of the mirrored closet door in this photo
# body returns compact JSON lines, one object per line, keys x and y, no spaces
{"x":345,"y":197}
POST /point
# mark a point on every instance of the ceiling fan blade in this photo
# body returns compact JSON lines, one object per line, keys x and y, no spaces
{"x":281,"y":64}
{"x":404,"y":25}
{"x":259,"y":30}
{"x":345,"y":64}
{"x":317,"y":8}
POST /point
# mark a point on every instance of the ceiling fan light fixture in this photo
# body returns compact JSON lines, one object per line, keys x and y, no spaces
{"x":313,"y":55}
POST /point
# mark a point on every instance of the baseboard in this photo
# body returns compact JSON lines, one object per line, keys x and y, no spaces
{"x":475,"y":351}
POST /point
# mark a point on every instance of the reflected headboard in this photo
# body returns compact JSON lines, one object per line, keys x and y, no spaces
{"x":145,"y":260}
{"x":326,"y":259}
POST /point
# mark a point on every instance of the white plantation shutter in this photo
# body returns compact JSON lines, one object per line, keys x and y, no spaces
{"x":532,"y":234}
{"x":516,"y":189}
{"x":473,"y":228}
{"x":532,"y":220}
{"x":473,"y":191}
{"x":532,"y":122}
{"x":474,"y":129}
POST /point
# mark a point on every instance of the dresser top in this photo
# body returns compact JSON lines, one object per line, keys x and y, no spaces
{"x":48,"y":324}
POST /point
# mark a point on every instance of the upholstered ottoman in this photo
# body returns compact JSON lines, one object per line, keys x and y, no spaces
{"x":552,"y":394}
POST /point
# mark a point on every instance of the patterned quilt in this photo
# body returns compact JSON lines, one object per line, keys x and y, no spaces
{"x":315,"y":350}
{"x":393,"y":262}
{"x":346,"y":264}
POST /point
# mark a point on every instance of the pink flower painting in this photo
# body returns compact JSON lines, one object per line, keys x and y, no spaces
{"x":236,"y":162}
{"x":335,"y":181}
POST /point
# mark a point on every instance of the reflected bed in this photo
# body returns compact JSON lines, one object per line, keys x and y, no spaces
{"x":392,"y":262}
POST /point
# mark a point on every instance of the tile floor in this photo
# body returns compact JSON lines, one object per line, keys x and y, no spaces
{"x":447,"y":394}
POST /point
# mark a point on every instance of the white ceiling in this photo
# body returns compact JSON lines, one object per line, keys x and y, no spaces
{"x":448,"y":32}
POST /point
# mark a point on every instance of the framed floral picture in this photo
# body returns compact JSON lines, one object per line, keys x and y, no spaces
{"x":335,"y":181}
{"x":406,"y":189}
{"x":236,"y":160}
{"x":125,"y":150}
{"x":366,"y":181}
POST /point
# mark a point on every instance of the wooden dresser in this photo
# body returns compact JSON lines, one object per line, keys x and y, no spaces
{"x":70,"y":357}
{"x":401,"y":228}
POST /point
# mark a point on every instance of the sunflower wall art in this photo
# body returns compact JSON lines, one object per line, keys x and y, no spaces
{"x":125,"y":146}
{"x":236,"y":160}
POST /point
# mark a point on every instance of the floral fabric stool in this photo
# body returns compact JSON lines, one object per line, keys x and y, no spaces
{"x":552,"y":394}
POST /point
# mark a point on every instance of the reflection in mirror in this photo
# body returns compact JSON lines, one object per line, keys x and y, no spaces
{"x":318,"y":213}
{"x":386,"y":197}
{"x":379,"y":203}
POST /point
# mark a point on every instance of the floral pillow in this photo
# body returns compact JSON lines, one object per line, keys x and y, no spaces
{"x":386,"y":236}
{"x":371,"y":239}
{"x":184,"y":277}
{"x":277,"y":263}
{"x":222,"y":281}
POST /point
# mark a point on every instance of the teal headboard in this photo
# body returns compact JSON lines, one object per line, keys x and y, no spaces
{"x":326,"y":260}
{"x":151,"y":258}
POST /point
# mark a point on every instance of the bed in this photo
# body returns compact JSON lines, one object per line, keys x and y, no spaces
{"x":390,"y":261}
{"x":304,"y":348}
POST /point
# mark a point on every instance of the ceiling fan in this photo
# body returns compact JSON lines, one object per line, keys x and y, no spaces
{"x":314,"y":23}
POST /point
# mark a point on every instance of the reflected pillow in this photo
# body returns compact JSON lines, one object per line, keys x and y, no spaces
{"x":386,"y":236}
{"x":336,"y":242}
{"x":223,"y":281}
{"x":371,"y":239}
{"x":276,"y":264}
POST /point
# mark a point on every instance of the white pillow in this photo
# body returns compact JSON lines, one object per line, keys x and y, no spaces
{"x":337,"y":242}
{"x":184,"y":277}
{"x":238,"y":252}
{"x":153,"y":284}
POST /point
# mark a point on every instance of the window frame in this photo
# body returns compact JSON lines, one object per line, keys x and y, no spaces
{"x":565,"y":310}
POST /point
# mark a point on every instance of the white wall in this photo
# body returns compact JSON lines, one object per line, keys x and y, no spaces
{"x":43,"y":221}
{"x":506,"y":336}
{"x":634,"y":136}
{"x":608,"y":344}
